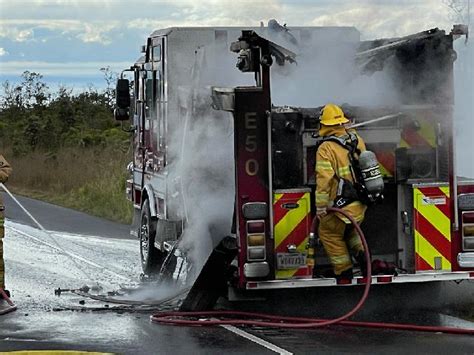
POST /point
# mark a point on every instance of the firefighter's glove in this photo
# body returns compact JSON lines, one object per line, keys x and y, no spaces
{"x":321,"y":212}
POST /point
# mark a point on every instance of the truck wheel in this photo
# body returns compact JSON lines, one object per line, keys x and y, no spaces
{"x":151,"y":258}
{"x":211,"y":282}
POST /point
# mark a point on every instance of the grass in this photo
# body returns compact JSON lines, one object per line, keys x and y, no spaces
{"x":90,"y":180}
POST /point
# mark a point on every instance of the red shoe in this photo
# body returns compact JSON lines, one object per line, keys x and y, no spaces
{"x":6,"y":292}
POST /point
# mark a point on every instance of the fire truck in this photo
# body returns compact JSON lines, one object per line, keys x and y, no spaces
{"x":425,"y":224}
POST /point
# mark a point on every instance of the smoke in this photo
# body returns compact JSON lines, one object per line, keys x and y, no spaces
{"x":201,"y":155}
{"x":327,"y":72}
{"x":201,"y":162}
{"x":204,"y":177}
{"x":464,"y":107}
{"x":200,"y":148}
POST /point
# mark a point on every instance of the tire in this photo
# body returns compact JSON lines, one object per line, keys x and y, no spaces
{"x":211,"y":283}
{"x":151,"y":258}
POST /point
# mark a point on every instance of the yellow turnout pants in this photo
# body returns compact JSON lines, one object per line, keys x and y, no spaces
{"x":338,"y":239}
{"x":2,"y":264}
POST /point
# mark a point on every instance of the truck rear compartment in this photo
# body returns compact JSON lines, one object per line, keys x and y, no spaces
{"x":411,"y":228}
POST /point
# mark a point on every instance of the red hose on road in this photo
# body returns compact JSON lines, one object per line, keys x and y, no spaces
{"x":273,"y":321}
{"x":171,"y":318}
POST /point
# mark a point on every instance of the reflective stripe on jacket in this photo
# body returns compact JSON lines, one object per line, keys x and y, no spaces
{"x":332,"y":163}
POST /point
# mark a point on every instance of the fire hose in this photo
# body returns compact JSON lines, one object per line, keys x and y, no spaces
{"x":207,"y":318}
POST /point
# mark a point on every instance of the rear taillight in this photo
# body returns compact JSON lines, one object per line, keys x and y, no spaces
{"x":256,"y":253}
{"x":466,"y":205}
{"x":255,"y":227}
{"x":467,"y":230}
{"x":256,"y":240}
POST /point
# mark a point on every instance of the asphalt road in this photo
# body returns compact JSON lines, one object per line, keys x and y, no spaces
{"x":58,"y":218}
{"x":85,"y":250}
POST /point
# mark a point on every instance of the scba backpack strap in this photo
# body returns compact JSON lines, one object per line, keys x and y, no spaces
{"x":347,"y":191}
{"x":348,"y":141}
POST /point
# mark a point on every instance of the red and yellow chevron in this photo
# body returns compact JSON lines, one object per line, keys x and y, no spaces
{"x":292,"y":223}
{"x":432,"y":222}
{"x":423,"y":136}
{"x":386,"y":159}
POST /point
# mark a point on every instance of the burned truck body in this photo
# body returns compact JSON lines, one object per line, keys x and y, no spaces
{"x":425,"y":224}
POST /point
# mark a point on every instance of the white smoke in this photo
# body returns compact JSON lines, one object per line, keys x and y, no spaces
{"x":326,"y":72}
{"x":201,"y":160}
{"x":464,"y":107}
{"x":205,"y":184}
{"x":201,"y":144}
{"x":201,"y":155}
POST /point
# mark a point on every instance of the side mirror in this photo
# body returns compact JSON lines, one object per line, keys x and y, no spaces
{"x":122,"y":100}
{"x":121,"y":114}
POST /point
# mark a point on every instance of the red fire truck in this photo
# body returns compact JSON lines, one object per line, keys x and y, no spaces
{"x":425,"y":225}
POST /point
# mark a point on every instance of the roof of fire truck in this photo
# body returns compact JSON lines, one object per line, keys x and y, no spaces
{"x":260,"y":30}
{"x":280,"y":35}
{"x":368,"y":50}
{"x":371,"y":55}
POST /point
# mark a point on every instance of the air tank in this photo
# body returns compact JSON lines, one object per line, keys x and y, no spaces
{"x":371,"y":176}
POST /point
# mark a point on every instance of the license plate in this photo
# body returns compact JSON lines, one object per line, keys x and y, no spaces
{"x":290,"y":260}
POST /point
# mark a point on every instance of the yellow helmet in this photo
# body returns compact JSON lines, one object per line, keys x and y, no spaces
{"x":332,"y":115}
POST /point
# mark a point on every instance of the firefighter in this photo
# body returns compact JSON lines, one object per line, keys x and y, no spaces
{"x":5,"y":171}
{"x":333,"y":170}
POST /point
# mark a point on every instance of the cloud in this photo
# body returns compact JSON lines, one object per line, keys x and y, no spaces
{"x":98,"y":22}
{"x":59,"y":69}
{"x":72,"y":31}
{"x":88,"y":32}
{"x":14,"y":33}
{"x":149,"y":24}
{"x":3,"y":52}
{"x":98,"y":33}
{"x":382,"y":19}
{"x":228,"y":13}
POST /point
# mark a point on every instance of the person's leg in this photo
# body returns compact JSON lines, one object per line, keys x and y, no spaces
{"x":2,"y":264}
{"x":356,"y":248}
{"x":331,"y":234}
{"x":353,"y":241}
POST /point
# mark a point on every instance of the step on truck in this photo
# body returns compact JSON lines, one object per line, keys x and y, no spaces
{"x":187,"y":83}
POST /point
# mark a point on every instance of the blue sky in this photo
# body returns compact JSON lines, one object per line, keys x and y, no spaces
{"x":68,"y":41}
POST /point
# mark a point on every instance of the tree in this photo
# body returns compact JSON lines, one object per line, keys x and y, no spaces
{"x":110,"y":78}
{"x":33,"y":118}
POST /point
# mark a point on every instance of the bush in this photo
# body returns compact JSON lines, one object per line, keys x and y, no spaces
{"x":66,"y":148}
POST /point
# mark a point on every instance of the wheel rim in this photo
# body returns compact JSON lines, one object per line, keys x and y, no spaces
{"x":144,"y":239}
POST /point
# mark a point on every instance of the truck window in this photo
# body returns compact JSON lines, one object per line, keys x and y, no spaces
{"x":149,"y":94}
{"x":157,"y":53}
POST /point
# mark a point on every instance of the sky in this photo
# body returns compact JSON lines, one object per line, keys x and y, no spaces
{"x":68,"y":41}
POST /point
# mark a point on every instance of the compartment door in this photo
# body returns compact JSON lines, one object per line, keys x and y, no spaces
{"x":432,"y":232}
{"x":292,"y":221}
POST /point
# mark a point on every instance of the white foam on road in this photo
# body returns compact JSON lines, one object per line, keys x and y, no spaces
{"x":113,"y":262}
{"x":72,"y":255}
